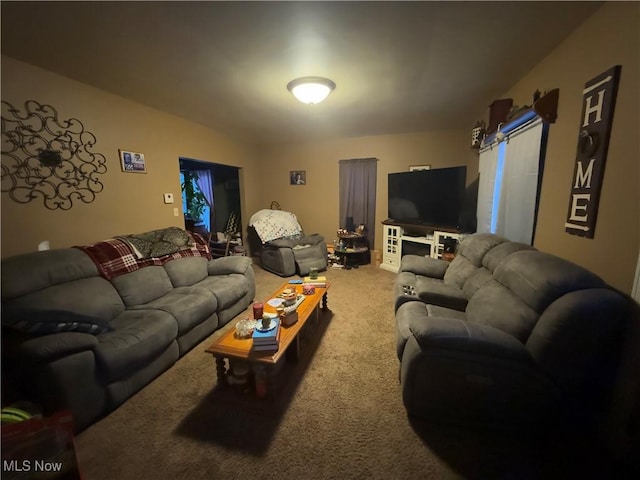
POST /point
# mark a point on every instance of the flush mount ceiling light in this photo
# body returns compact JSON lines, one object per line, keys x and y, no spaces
{"x":311,"y":89}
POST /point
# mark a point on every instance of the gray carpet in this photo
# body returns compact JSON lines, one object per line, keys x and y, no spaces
{"x":340,"y":416}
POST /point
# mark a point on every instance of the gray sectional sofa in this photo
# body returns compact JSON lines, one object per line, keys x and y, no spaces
{"x":505,"y":335}
{"x":73,"y":339}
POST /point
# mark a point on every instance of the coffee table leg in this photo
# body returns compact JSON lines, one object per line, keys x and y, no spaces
{"x":324,"y":307}
{"x":221,"y":371}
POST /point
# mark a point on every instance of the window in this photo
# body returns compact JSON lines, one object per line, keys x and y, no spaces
{"x":510,"y":179}
{"x":358,"y":194}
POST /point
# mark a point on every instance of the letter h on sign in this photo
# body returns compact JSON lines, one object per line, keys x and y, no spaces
{"x":598,"y":103}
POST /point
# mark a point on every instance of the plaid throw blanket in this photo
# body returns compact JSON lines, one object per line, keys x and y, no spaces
{"x":114,"y":257}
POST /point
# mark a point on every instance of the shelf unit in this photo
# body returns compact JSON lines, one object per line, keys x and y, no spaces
{"x":439,"y":239}
{"x":395,"y":235}
{"x":392,"y":244}
{"x":353,"y":249}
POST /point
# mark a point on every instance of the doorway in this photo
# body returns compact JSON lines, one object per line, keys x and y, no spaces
{"x":210,"y":197}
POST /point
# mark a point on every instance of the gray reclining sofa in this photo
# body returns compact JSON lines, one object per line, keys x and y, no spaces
{"x":505,"y":335}
{"x":73,"y":339}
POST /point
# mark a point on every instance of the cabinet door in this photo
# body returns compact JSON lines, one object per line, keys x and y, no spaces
{"x":392,"y":244}
{"x":439,"y":239}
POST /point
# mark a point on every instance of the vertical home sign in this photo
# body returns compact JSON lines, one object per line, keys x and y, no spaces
{"x":598,"y":103}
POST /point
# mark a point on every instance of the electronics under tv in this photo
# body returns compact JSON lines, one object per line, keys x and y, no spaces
{"x":433,"y":197}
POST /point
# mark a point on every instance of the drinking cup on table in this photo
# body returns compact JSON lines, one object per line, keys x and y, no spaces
{"x":313,"y":273}
{"x":258,"y":311}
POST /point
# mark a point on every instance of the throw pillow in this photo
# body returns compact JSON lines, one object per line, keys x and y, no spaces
{"x":43,"y":322}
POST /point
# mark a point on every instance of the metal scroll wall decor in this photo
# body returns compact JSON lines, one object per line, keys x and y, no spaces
{"x":43,"y":156}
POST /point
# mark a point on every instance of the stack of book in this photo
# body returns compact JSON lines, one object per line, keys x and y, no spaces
{"x":316,"y":282}
{"x":266,"y":341}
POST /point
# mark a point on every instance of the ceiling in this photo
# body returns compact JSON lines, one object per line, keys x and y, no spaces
{"x":399,"y":67}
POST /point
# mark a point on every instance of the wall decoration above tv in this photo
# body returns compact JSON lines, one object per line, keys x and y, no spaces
{"x":434,"y":197}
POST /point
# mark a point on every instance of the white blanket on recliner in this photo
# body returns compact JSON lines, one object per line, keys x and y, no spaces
{"x":273,"y":224}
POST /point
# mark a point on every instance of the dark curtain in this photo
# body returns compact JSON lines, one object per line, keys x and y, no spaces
{"x":358,"y":194}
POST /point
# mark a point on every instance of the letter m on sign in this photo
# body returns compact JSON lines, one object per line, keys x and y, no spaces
{"x":598,"y":103}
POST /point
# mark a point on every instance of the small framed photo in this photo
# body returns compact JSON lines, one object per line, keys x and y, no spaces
{"x":297,"y":177}
{"x":417,"y":168}
{"x":132,"y":162}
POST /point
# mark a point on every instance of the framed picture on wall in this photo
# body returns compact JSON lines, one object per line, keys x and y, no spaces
{"x":132,"y":162}
{"x":417,"y":168}
{"x":297,"y":177}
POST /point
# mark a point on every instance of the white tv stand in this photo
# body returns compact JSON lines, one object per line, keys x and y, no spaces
{"x":424,"y":241}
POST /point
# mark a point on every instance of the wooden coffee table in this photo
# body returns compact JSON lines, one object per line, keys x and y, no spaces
{"x":229,"y":348}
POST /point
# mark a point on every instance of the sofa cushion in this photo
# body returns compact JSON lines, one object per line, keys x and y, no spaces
{"x":189,"y":306}
{"x":460,"y":269}
{"x":474,"y":247}
{"x":186,"y":271}
{"x":138,"y":337}
{"x":227,"y":265}
{"x":494,"y":256}
{"x":495,"y":305}
{"x":228,"y":289}
{"x":538,"y":278}
{"x":35,"y":271}
{"x":43,"y":322}
{"x":142,"y":286}
{"x":476,"y":280}
{"x":92,"y":296}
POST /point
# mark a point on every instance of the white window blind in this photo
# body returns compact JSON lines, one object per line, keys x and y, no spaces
{"x":486,"y":183}
{"x":507,"y":195}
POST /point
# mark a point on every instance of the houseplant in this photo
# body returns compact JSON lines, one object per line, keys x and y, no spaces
{"x":196,"y":201}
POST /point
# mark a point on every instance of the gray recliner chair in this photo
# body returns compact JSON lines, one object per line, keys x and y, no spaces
{"x":277,"y":239}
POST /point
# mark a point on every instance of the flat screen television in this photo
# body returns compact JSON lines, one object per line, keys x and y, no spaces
{"x":433,"y":197}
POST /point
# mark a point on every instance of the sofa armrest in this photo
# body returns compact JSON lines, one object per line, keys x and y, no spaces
{"x":228,"y":265}
{"x":312,"y":239}
{"x":463,"y":373}
{"x":426,"y":266}
{"x":45,"y":348}
{"x":460,"y":335}
{"x":282,"y":243}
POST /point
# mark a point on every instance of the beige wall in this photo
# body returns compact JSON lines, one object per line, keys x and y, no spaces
{"x":129,"y":203}
{"x":316,"y":204}
{"x":133,"y":203}
{"x":610,"y":37}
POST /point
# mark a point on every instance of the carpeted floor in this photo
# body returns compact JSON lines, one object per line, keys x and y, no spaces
{"x":341,"y":416}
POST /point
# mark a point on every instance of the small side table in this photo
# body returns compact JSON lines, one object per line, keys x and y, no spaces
{"x":353,"y":249}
